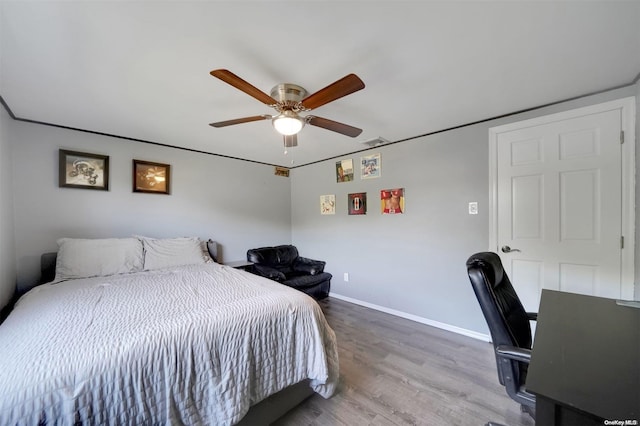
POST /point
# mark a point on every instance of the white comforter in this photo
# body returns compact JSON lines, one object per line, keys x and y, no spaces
{"x":194,"y":345}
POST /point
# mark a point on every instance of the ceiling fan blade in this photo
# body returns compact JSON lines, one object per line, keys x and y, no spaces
{"x":343,"y":87}
{"x":334,"y":126}
{"x":240,"y":120}
{"x":290,"y":140}
{"x":232,"y":79}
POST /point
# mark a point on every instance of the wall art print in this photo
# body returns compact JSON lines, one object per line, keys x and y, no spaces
{"x":392,"y":201}
{"x":357,"y":203}
{"x":328,"y":204}
{"x":344,"y":171}
{"x":152,"y":178}
{"x":370,"y":166}
{"x":83,"y":170}
{"x":281,"y":171}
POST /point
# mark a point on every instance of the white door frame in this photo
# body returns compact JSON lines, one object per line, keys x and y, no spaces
{"x":628,"y":114}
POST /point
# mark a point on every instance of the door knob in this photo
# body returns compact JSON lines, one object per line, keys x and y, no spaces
{"x":507,"y":249}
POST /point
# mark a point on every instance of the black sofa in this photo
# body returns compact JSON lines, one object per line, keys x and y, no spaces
{"x":283,"y":264}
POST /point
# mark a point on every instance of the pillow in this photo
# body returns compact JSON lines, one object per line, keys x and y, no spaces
{"x":167,"y":252}
{"x":83,"y":258}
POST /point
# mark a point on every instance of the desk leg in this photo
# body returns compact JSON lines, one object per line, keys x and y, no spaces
{"x":551,"y":413}
{"x":545,"y":412}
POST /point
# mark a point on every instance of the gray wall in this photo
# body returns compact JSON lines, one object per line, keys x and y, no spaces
{"x":7,"y":247}
{"x":238,"y":203}
{"x":413,"y":263}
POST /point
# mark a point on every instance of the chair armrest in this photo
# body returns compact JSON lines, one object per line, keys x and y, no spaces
{"x":514,"y":353}
{"x":310,"y":266}
{"x":267,"y":272}
{"x":533,"y":316}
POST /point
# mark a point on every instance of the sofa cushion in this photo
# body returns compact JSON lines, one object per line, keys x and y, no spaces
{"x":269,"y":272}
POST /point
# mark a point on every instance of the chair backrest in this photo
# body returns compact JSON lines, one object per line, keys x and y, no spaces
{"x":506,"y":317}
{"x":278,"y":257}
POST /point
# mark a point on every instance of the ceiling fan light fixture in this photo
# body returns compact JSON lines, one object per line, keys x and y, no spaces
{"x":287,"y":123}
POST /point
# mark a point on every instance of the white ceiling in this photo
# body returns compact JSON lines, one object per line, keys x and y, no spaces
{"x":141,"y":69}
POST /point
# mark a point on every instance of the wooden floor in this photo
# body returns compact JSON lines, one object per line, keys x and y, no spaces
{"x":399,"y":372}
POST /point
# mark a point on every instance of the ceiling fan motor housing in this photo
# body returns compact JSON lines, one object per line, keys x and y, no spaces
{"x":288,"y":94}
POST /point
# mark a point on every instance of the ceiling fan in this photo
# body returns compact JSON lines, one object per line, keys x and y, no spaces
{"x":289,"y":100}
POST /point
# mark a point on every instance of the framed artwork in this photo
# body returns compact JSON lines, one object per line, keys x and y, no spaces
{"x":344,"y":171}
{"x":392,"y":201}
{"x":370,"y":166}
{"x":357,"y":203}
{"x":281,"y":171}
{"x":328,"y":204}
{"x":152,"y":178}
{"x":83,"y":170}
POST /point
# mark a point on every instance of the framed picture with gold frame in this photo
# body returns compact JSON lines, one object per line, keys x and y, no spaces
{"x":151,"y":178}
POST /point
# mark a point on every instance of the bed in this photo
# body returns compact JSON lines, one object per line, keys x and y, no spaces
{"x":171,"y":340}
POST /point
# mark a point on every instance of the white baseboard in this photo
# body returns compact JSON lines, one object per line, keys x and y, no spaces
{"x":426,"y":321}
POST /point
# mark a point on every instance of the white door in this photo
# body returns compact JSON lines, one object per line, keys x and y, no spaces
{"x":562,"y":185}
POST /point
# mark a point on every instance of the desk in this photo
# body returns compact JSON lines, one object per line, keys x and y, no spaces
{"x":585,"y":364}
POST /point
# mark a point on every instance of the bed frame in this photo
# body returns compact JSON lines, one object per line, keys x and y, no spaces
{"x":261,"y":414}
{"x":277,"y":405}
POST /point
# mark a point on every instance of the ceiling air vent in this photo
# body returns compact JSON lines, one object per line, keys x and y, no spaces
{"x":375,"y":142}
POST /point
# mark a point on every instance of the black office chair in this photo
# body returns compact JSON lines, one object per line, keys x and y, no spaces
{"x":508,"y":323}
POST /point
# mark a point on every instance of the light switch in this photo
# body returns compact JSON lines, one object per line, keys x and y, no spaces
{"x":473,"y":207}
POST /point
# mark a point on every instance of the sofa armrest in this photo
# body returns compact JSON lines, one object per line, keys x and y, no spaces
{"x":310,"y":266}
{"x":267,"y":272}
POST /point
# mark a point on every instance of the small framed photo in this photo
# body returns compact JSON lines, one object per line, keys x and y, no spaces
{"x":328,"y":204}
{"x":282,"y":171}
{"x":152,"y":178}
{"x":370,"y":166}
{"x":357,"y":203}
{"x":83,"y":170}
{"x":344,"y":171}
{"x":392,"y":201}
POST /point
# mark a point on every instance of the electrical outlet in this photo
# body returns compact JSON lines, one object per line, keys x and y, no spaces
{"x":473,"y":207}
{"x":346,"y":277}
